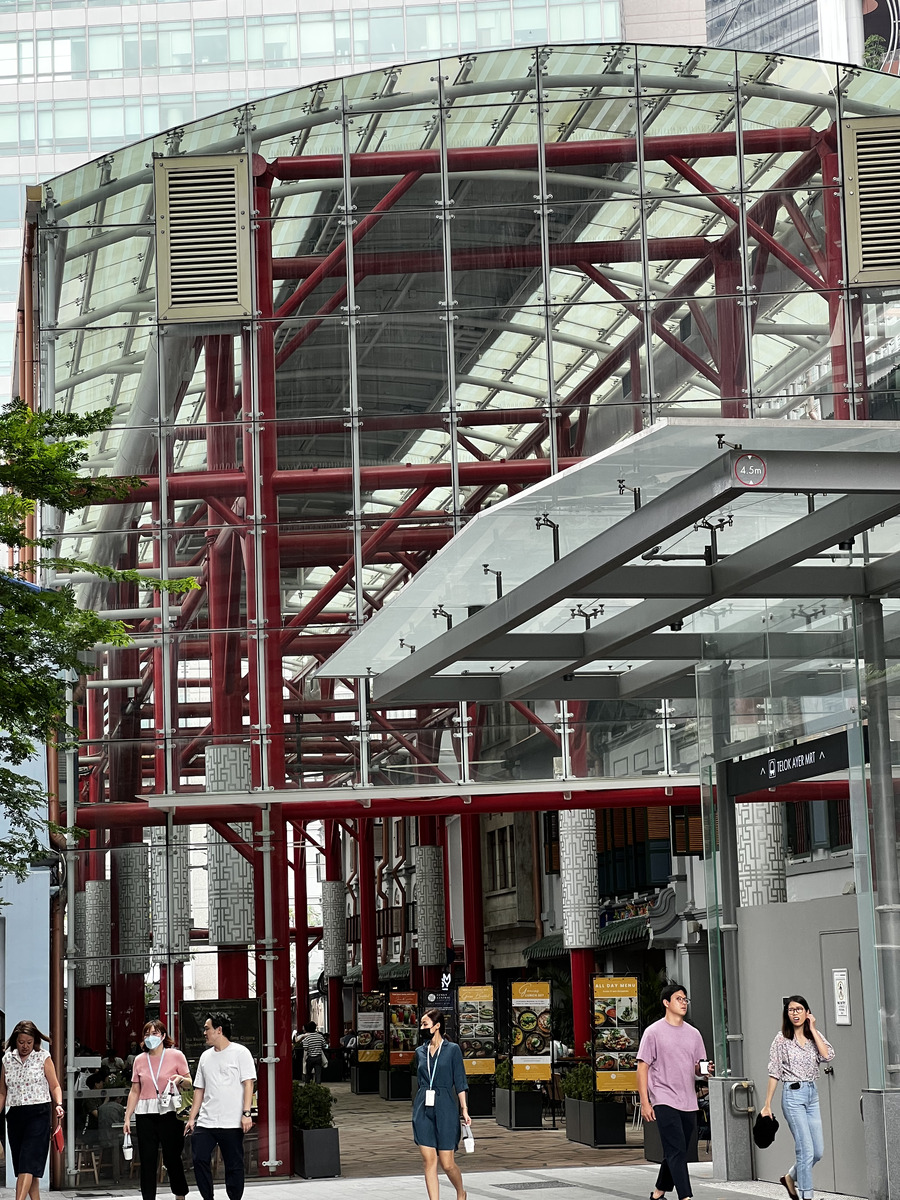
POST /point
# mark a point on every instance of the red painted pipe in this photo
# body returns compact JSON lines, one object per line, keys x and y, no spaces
{"x":558,"y":154}
{"x":484,"y":258}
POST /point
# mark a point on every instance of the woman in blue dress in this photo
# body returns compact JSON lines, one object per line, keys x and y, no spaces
{"x":440,"y":1104}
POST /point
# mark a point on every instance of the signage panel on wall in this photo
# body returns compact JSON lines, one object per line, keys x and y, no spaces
{"x":841,"y":983}
{"x":532,"y":1032}
{"x":369,"y":1027}
{"x":403,"y":1023}
{"x":478,"y":1029}
{"x":804,"y":760}
{"x":616,"y":1033}
{"x":245,"y":1016}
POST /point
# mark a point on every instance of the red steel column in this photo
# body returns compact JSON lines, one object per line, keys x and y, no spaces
{"x":731,"y":347}
{"x":473,"y":898}
{"x":367,"y":940}
{"x":582,"y":966}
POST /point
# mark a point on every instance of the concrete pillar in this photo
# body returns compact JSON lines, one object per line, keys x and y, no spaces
{"x":581,"y":909}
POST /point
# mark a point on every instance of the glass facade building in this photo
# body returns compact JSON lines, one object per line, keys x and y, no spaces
{"x":79,"y":79}
{"x":502,"y":303}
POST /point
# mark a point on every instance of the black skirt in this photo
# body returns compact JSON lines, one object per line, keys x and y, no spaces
{"x":28,"y":1131}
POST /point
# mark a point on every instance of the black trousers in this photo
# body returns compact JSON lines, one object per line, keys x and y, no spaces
{"x":231,"y":1143}
{"x":153,"y":1130}
{"x":676,"y":1129}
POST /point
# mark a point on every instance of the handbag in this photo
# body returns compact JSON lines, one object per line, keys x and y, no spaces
{"x":170,"y":1099}
{"x":57,"y":1139}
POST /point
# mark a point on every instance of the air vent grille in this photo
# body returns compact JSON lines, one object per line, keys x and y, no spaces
{"x":203,"y":237}
{"x":872,"y":196}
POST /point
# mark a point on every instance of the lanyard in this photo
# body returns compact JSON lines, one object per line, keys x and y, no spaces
{"x":432,"y":1065}
{"x":155,"y":1077}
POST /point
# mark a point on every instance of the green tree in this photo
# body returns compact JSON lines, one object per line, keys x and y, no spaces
{"x":43,"y":631}
{"x":874,"y":51}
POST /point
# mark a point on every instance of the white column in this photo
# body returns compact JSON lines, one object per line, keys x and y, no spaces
{"x":430,"y":913}
{"x":578,"y":875}
{"x":170,"y":880}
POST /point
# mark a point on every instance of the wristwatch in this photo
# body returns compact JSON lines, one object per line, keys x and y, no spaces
{"x":246,"y":1113}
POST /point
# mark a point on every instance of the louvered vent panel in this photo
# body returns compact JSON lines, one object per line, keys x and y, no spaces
{"x":203,"y":237}
{"x":872,"y":197}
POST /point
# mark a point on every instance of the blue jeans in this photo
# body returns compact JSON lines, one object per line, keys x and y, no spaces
{"x":801,"y":1111}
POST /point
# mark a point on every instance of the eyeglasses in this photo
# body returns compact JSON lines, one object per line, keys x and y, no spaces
{"x":796,"y":1012}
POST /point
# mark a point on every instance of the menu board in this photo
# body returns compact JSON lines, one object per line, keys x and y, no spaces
{"x":403,"y":1022}
{"x":531,"y":1040}
{"x":478,"y":1029}
{"x":369,"y":1027}
{"x":616,"y":1033}
{"x":445,"y":1003}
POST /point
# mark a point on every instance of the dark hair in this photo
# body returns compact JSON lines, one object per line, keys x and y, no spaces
{"x":670,"y":990}
{"x":30,"y":1030}
{"x":787,"y":1026}
{"x":220,"y":1020}
{"x":159,"y":1028}
{"x":436,"y":1017}
{"x":309,"y":1027}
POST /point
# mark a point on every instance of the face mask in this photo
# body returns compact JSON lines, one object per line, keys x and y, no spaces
{"x":425,"y":1035}
{"x":152,"y":1041}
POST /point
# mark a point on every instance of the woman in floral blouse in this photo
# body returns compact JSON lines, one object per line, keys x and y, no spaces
{"x":28,"y":1084}
{"x":794,"y":1061}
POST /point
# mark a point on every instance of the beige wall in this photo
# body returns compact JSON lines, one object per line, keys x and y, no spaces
{"x":674,"y":22}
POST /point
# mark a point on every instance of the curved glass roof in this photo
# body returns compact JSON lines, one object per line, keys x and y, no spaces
{"x":581,"y":305}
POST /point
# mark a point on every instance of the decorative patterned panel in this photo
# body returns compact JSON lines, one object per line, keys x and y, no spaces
{"x":578,"y":875}
{"x":78,"y":917}
{"x":430,"y":911}
{"x":760,"y":854}
{"x":229,"y":874}
{"x":334,"y":928}
{"x":96,"y":943}
{"x":170,"y":878}
{"x":133,"y":906}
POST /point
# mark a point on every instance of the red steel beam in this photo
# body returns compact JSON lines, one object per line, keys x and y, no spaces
{"x":485,"y":258}
{"x":197,"y":485}
{"x":558,"y":154}
{"x":376,"y":423}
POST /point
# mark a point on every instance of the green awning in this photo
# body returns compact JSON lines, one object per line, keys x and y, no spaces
{"x":617,"y":933}
{"x":390,"y":972}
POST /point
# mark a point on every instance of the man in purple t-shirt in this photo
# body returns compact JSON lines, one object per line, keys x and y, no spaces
{"x":669,"y":1059}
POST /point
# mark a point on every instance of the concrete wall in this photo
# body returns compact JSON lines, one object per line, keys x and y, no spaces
{"x":674,"y":22}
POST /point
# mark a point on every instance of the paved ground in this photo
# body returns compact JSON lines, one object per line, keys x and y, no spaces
{"x":380,"y":1162}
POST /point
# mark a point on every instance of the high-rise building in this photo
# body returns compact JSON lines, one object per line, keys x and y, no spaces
{"x":828,"y":29}
{"x":79,"y":78}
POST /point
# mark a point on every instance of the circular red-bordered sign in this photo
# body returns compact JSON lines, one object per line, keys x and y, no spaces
{"x":750,"y":470}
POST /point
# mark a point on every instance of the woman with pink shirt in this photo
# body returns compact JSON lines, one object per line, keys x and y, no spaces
{"x":155,"y":1123}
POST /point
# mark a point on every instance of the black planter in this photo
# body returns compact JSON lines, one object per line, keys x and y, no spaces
{"x":364,"y":1079}
{"x":480,"y":1098}
{"x":333,"y":1070}
{"x":519,"y":1110}
{"x":317,"y":1153}
{"x":595,"y":1123}
{"x":395,"y":1085}
{"x":653,"y":1146}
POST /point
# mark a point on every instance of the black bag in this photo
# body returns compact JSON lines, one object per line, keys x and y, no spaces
{"x":764,"y":1130}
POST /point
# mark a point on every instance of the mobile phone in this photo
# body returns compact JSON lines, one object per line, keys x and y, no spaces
{"x":704,"y":1066}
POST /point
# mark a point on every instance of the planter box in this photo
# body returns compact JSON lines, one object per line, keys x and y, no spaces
{"x":653,"y":1146}
{"x":481,"y":1098}
{"x":364,"y":1079}
{"x":595,"y":1123}
{"x":317,"y":1153}
{"x":519,"y":1110}
{"x":333,"y":1069}
{"x":395,"y":1085}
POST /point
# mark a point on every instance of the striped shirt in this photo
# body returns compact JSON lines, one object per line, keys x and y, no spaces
{"x":314,"y":1045}
{"x":792,"y":1063}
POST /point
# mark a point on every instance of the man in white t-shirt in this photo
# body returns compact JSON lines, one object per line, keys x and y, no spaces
{"x":220,"y":1114}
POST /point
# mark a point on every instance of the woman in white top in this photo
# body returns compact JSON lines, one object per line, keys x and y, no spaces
{"x":28,"y":1084}
{"x":156,"y":1123}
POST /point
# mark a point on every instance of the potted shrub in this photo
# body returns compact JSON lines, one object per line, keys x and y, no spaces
{"x":591,"y":1120}
{"x":317,"y":1147}
{"x":394,"y":1083}
{"x":518,"y":1104}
